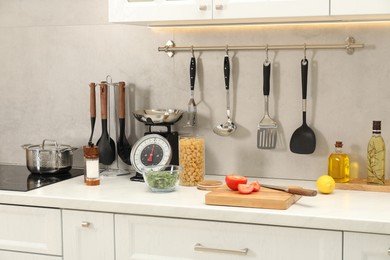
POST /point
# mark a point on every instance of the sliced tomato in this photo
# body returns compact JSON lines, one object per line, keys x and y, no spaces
{"x":256,"y":186}
{"x":245,"y":188}
{"x":233,"y":180}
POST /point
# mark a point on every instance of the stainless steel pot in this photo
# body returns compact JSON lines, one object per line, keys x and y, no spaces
{"x":49,"y":157}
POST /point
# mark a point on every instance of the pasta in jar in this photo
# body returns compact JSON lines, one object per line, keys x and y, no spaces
{"x":191,"y":158}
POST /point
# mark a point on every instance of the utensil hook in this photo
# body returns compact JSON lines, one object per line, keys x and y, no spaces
{"x":266,"y":55}
{"x":304,"y":54}
{"x":227,"y":50}
{"x":192,"y":51}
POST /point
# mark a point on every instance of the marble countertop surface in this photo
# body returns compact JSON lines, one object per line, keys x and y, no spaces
{"x":345,"y":210}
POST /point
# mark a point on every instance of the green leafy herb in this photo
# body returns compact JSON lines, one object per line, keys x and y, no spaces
{"x":161,"y":180}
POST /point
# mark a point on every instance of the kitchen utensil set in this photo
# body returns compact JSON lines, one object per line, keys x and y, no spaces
{"x":107,"y":147}
{"x":303,"y":140}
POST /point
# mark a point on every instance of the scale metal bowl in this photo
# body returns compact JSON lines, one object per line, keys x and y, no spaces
{"x":158,"y":116}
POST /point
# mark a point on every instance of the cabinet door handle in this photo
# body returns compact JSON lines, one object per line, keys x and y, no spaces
{"x":200,"y":247}
{"x":388,"y":251}
{"x":202,"y":7}
{"x":85,"y":224}
{"x":218,"y":7}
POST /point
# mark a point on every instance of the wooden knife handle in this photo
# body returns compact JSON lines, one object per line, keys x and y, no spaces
{"x":301,"y":191}
{"x":121,"y":112}
{"x":92,"y":101}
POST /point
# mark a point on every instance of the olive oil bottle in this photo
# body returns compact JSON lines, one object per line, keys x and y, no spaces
{"x":338,"y":164}
{"x":376,"y":155}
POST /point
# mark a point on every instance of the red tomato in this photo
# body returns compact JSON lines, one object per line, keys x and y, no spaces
{"x":232,"y":181}
{"x":256,"y":186}
{"x":245,"y":188}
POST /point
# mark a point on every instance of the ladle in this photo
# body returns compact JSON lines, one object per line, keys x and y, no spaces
{"x":228,"y":127}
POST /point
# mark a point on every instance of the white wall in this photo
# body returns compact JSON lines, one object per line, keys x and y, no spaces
{"x":50,"y":51}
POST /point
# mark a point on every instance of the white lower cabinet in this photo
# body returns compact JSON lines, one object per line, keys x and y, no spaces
{"x":29,"y":230}
{"x":8,"y":255}
{"x":88,"y":235}
{"x":362,"y":246}
{"x":156,"y":238}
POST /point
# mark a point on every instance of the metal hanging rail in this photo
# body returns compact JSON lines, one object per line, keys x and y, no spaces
{"x":349,"y":45}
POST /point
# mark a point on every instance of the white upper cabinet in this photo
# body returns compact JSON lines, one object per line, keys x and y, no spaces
{"x":212,"y":11}
{"x":145,"y":11}
{"x":184,"y":12}
{"x":360,"y":7}
{"x":255,"y":9}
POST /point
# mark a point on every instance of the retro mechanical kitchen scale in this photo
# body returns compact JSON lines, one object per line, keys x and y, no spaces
{"x":156,"y":147}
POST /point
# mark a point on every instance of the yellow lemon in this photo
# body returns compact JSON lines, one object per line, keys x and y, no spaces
{"x":325,"y":184}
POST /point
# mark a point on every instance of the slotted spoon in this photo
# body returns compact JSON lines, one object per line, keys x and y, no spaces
{"x":267,"y":127}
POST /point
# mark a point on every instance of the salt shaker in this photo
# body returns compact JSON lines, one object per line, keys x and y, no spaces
{"x":91,"y":166}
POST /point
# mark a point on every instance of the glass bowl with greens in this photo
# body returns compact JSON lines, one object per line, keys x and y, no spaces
{"x":162,"y":178}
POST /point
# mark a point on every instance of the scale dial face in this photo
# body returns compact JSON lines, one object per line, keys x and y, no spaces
{"x":150,"y":150}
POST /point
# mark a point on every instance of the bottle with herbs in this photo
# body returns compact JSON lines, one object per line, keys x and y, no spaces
{"x":338,"y":164}
{"x":376,"y":155}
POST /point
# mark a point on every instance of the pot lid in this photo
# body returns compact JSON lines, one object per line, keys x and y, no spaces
{"x":47,"y":145}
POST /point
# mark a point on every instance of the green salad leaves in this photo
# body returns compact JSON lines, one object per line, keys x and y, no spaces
{"x":161,"y":180}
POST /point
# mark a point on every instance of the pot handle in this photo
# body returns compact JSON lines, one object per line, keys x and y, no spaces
{"x":68,"y":149}
{"x":25,"y":146}
{"x":48,"y":140}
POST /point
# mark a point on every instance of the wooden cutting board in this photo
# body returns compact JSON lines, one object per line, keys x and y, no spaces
{"x":265,"y":198}
{"x":361,"y":184}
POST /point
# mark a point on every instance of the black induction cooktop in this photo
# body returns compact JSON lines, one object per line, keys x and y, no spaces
{"x":19,"y":178}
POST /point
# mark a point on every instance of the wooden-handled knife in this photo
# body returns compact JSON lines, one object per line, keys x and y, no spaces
{"x":292,"y":190}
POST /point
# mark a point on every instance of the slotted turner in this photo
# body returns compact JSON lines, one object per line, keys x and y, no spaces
{"x":267,"y":127}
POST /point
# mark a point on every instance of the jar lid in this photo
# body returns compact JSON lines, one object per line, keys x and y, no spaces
{"x":91,"y":152}
{"x":339,"y":144}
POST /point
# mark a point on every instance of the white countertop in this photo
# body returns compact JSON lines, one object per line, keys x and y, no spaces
{"x":342,"y":210}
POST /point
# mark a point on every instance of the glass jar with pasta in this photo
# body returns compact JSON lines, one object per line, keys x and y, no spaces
{"x":191,"y":158}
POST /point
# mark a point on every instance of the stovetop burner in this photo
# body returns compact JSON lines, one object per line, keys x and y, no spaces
{"x":19,"y":178}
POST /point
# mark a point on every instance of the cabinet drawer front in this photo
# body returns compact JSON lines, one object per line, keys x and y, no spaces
{"x":7,"y":255}
{"x":30,"y":229}
{"x":140,"y":237}
{"x":362,"y":246}
{"x":88,"y":235}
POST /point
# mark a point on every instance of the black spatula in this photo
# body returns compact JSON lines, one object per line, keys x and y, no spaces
{"x":105,"y":143}
{"x":303,"y":140}
{"x":124,"y":147}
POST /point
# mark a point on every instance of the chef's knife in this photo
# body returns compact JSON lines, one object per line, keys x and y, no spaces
{"x":292,"y":190}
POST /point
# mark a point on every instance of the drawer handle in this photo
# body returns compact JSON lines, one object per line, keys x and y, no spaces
{"x":218,"y":7}
{"x":85,"y":224}
{"x":203,"y":7}
{"x":200,"y":247}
